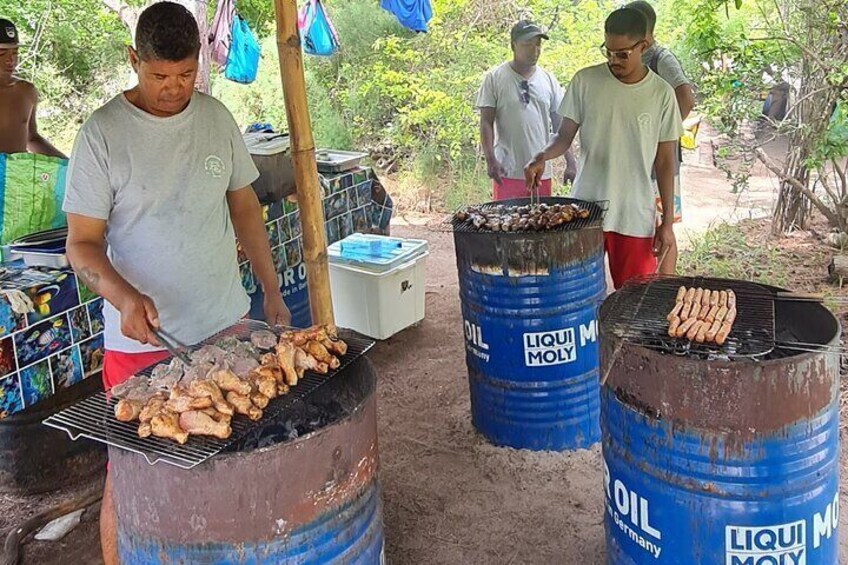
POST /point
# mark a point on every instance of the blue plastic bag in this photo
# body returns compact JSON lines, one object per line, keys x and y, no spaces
{"x":316,"y":32}
{"x":243,"y":59}
{"x":412,"y":14}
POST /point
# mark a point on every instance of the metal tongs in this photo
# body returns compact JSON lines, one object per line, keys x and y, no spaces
{"x":174,"y":346}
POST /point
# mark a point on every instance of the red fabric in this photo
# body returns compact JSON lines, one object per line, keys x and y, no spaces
{"x":517,"y":188}
{"x":629,"y":256}
{"x":119,"y":366}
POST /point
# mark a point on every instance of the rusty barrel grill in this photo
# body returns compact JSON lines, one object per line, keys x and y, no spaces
{"x":529,"y":303}
{"x":299,"y":486}
{"x":720,"y":455}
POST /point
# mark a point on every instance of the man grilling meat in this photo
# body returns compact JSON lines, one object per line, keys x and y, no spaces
{"x":158,"y":189}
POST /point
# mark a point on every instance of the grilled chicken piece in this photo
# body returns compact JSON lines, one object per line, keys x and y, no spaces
{"x":153,"y":406}
{"x":263,"y":339}
{"x":264,"y":384}
{"x":201,"y":424}
{"x":303,"y":361}
{"x":166,"y":424}
{"x":260,"y":400}
{"x":228,"y":381}
{"x":128,"y":410}
{"x":180,"y":401}
{"x":320,"y":353}
{"x":207,"y":388}
{"x":218,"y":416}
{"x":271,"y":371}
{"x":145,"y":430}
{"x":244,"y":405}
{"x":286,"y":353}
{"x":282,"y":388}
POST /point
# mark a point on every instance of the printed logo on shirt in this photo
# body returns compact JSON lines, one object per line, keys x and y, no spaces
{"x":11,"y":32}
{"x":214,"y":166}
{"x":644,"y":121}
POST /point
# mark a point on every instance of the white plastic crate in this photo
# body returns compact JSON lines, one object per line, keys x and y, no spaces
{"x":378,"y":298}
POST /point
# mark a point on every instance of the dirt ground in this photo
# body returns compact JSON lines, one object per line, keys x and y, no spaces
{"x":449,"y":497}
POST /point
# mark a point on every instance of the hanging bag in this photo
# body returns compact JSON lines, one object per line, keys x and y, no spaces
{"x":317,"y":33}
{"x":220,"y":34}
{"x":243,"y":59}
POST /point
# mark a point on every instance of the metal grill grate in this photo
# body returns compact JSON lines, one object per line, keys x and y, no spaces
{"x":637,"y":314}
{"x":595,"y":219}
{"x":94,"y":417}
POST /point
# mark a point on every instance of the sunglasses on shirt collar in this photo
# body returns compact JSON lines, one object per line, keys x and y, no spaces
{"x":524,"y":91}
{"x":620,"y":54}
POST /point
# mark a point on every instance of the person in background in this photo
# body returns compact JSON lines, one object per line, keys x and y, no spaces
{"x":663,"y":62}
{"x":517,"y":103}
{"x":629,"y":123}
{"x":18,"y":102}
{"x":158,"y":190}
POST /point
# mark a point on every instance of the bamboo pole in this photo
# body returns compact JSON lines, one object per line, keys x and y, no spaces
{"x":303,"y":157}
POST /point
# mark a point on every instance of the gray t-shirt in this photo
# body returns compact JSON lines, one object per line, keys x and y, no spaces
{"x":621,"y":127}
{"x":664,"y":63}
{"x":161,"y":186}
{"x":522,"y":115}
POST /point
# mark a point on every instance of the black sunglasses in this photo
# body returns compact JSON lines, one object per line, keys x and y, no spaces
{"x":525,"y":91}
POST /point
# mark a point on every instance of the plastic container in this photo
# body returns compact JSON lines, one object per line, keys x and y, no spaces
{"x":377,"y":293}
{"x":270,"y":153}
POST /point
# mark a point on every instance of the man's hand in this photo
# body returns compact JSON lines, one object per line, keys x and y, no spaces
{"x":138,"y":316}
{"x":495,"y":170}
{"x":276,"y":312}
{"x":664,"y":240}
{"x":533,"y":172}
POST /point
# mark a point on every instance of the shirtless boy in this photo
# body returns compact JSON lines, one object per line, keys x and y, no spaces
{"x":18,"y":102}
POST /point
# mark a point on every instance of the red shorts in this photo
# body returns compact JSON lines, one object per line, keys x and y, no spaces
{"x":119,"y":366}
{"x":629,"y":256}
{"x":517,"y":188}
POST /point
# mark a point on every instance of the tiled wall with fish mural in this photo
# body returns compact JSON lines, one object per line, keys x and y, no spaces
{"x":53,"y":347}
{"x":354,"y":202}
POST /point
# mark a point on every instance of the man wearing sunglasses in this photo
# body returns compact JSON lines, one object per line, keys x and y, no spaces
{"x":629,"y":122}
{"x":664,"y":63}
{"x":518,"y":102}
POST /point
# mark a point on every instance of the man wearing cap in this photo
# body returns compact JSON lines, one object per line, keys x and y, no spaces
{"x":18,"y":102}
{"x":158,"y":189}
{"x":518,"y":102}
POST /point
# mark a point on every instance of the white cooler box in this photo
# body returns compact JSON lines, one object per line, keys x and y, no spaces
{"x":377,"y":283}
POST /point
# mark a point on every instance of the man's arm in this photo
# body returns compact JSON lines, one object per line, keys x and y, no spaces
{"x":665,"y":164}
{"x":246,"y":215}
{"x":559,"y":144}
{"x":36,"y":143}
{"x":86,"y":249}
{"x":487,"y":141}
{"x":685,"y":99}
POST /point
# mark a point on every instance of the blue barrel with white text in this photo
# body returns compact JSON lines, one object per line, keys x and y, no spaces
{"x":725,"y":461}
{"x":529,"y":307}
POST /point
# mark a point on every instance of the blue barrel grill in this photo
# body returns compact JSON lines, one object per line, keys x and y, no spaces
{"x":723,"y":462}
{"x":529,"y":303}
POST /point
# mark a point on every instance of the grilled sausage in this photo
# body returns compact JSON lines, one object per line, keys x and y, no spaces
{"x":696,"y":310}
{"x":681,"y":294}
{"x":731,"y":299}
{"x":714,"y":298}
{"x":693,"y":331}
{"x":684,"y":327}
{"x":672,"y":327}
{"x":684,"y":313}
{"x":705,"y":301}
{"x":722,"y":313}
{"x":711,"y":333}
{"x":678,"y":306}
{"x":699,"y":295}
{"x":722,"y":334}
{"x":702,"y":332}
{"x":731,"y":316}
{"x":690,"y":295}
{"x":722,"y":299}
{"x":711,"y":315}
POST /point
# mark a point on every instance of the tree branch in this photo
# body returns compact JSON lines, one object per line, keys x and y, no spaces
{"x":125,"y":12}
{"x":797,"y":185}
{"x":815,"y":59}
